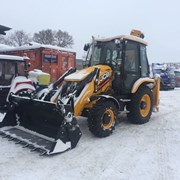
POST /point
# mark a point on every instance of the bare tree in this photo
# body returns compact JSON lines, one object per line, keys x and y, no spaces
{"x":44,"y":37}
{"x":17,"y":38}
{"x":63,"y":39}
{"x":6,"y":41}
{"x":59,"y":38}
{"x":1,"y":39}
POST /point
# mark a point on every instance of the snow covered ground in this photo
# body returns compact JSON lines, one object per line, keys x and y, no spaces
{"x":133,"y":152}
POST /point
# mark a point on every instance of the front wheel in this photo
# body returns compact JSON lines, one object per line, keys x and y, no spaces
{"x":140,"y":106}
{"x":102,"y":118}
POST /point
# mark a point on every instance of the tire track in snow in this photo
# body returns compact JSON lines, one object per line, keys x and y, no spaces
{"x":165,"y":172}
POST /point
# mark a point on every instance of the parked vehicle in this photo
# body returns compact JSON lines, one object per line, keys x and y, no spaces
{"x":13,"y":79}
{"x":41,"y":81}
{"x":50,"y":59}
{"x":167,"y":76}
{"x":110,"y":84}
{"x":177,"y":78}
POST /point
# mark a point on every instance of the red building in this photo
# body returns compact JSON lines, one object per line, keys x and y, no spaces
{"x":51,"y":59}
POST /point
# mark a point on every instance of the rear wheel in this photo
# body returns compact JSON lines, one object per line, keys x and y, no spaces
{"x":140,"y":106}
{"x":102,"y":118}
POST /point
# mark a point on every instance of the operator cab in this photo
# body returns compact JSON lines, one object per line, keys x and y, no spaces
{"x":126,"y":55}
{"x":10,"y":67}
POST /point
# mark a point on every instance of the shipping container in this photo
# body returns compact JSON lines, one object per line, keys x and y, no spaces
{"x":50,"y":59}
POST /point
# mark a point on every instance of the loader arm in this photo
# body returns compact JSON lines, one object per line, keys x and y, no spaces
{"x":87,"y":83}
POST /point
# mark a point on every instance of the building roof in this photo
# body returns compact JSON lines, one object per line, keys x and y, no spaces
{"x":37,"y":46}
{"x":3,"y":29}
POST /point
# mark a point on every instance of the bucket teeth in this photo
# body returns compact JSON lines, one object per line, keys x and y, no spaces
{"x":18,"y":142}
{"x":1,"y":133}
{"x":11,"y":139}
{"x":34,"y":149}
{"x":43,"y":153}
{"x":5,"y":136}
{"x":26,"y":145}
{"x":40,"y":125}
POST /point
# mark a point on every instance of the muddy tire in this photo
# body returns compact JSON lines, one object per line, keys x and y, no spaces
{"x":102,"y":119}
{"x":140,"y":106}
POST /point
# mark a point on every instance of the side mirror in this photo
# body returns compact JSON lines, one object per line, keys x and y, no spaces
{"x":29,"y":65}
{"x":118,"y":44}
{"x":86,"y":47}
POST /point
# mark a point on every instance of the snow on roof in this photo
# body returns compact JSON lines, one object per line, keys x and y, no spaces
{"x":3,"y":46}
{"x":121,"y":37}
{"x":12,"y":58}
{"x":177,"y":70}
{"x":34,"y":45}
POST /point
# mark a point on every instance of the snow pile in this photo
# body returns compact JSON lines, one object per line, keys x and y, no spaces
{"x":1,"y":116}
{"x":148,"y":151}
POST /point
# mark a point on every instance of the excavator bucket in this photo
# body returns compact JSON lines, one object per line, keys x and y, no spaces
{"x":40,"y":125}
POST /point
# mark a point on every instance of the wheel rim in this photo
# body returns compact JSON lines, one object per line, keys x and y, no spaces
{"x":145,"y":105}
{"x":107,"y":119}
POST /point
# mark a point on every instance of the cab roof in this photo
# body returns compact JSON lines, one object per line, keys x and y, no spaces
{"x":123,"y":37}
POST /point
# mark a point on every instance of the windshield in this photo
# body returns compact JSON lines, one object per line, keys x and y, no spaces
{"x":106,"y":53}
{"x":20,"y":68}
{"x":96,"y":55}
{"x":170,"y":71}
{"x":177,"y":74}
{"x":157,"y":71}
{"x":8,"y":70}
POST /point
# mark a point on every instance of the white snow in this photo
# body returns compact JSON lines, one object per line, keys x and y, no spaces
{"x":77,"y":76}
{"x":3,"y":46}
{"x":35,"y":46}
{"x":133,"y":152}
{"x":10,"y":57}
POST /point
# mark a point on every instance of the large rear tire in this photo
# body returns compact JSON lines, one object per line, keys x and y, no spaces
{"x":102,"y":118}
{"x":140,"y":106}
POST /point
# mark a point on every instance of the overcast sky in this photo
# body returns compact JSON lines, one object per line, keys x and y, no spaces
{"x":158,"y":19}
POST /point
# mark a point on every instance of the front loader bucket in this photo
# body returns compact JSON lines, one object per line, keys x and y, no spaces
{"x":40,"y":125}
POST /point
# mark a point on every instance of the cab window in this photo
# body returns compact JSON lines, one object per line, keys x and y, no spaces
{"x":7,"y":72}
{"x":144,"y":61}
{"x":131,"y":61}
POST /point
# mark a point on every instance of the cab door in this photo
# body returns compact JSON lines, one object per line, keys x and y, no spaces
{"x":131,"y":65}
{"x":144,"y":65}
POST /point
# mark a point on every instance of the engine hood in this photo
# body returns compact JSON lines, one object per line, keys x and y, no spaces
{"x":82,"y":74}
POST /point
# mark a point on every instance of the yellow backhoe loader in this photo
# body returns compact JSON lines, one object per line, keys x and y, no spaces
{"x":116,"y":79}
